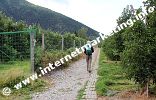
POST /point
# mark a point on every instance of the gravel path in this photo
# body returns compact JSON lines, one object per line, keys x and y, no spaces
{"x":90,"y":93}
{"x":67,"y":82}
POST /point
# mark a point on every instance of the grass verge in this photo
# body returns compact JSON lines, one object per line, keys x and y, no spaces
{"x":111,"y":78}
{"x":12,"y":73}
{"x":81,"y":92}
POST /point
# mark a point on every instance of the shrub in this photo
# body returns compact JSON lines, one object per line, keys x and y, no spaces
{"x":51,"y":57}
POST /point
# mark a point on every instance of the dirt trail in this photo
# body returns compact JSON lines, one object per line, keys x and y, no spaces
{"x":67,"y":82}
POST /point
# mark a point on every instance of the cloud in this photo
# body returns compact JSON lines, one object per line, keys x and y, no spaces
{"x":100,"y":15}
{"x":61,"y":1}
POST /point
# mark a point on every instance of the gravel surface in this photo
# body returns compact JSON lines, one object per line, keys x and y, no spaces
{"x":67,"y":82}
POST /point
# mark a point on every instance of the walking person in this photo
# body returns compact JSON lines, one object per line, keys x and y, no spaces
{"x":88,"y":51}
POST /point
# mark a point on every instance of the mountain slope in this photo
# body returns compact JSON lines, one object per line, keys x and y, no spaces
{"x":48,"y":19}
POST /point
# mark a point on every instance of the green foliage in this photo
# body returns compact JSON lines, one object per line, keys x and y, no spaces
{"x":138,"y":55}
{"x":69,"y":40}
{"x":43,"y":58}
{"x":135,"y":55}
{"x":71,"y":50}
{"x":53,"y":41}
{"x":109,"y":47}
{"x":113,"y":46}
{"x":52,"y":56}
{"x":17,"y":46}
{"x":83,"y":33}
{"x":126,"y":14}
{"x":9,"y":54}
{"x":38,"y":57}
{"x":140,"y":49}
{"x":111,"y":77}
{"x":136,"y":47}
{"x":13,"y":46}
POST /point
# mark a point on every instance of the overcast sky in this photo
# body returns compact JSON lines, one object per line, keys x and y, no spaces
{"x":100,"y":15}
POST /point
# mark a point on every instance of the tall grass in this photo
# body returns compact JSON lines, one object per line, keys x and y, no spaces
{"x":12,"y":72}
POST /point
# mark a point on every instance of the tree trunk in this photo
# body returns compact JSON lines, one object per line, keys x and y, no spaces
{"x":145,"y":90}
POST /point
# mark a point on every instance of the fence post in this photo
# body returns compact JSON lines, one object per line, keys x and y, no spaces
{"x":43,"y":45}
{"x":80,"y":43}
{"x":32,"y":44}
{"x":62,"y":43}
{"x":74,"y":44}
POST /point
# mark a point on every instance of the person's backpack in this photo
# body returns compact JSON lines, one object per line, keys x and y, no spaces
{"x":88,"y":50}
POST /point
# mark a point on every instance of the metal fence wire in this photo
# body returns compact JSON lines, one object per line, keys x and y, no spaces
{"x":17,"y":47}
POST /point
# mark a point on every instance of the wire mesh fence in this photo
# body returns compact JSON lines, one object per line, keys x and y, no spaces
{"x":53,"y":41}
{"x":20,"y":46}
{"x":52,"y":46}
{"x":14,"y":46}
{"x":16,"y":49}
